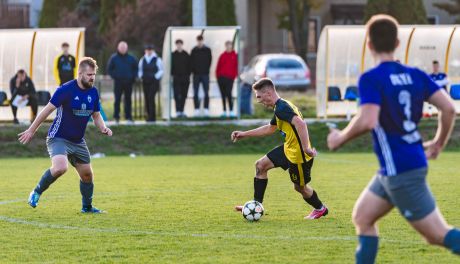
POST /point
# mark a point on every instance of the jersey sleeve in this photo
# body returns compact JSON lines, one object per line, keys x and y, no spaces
{"x":429,"y":85}
{"x":285,"y":112}
{"x":273,"y":121}
{"x":97,"y":104}
{"x":368,"y":91}
{"x":59,"y":97}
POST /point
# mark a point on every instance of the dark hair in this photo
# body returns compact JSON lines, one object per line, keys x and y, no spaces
{"x":435,"y":62}
{"x":383,"y":32}
{"x":149,"y":46}
{"x":199,"y":37}
{"x":179,"y":41}
{"x":65,"y":44}
{"x":88,"y":61}
{"x":262,"y":84}
{"x":21,"y":71}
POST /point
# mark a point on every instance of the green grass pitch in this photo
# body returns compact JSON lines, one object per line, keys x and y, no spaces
{"x":179,"y":209}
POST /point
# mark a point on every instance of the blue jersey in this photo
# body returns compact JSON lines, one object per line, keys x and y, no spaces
{"x":440,"y":79}
{"x":74,"y":108}
{"x":400,"y":91}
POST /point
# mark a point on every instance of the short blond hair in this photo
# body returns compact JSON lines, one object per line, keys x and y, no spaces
{"x":88,"y":62}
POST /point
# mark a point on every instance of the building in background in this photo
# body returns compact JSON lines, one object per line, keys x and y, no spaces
{"x":260,"y":33}
{"x":20,"y":13}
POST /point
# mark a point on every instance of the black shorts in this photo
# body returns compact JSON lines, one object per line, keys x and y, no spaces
{"x":300,"y":173}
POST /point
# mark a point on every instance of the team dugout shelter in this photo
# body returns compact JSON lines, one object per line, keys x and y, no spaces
{"x":215,"y":38}
{"x":35,"y":51}
{"x":343,"y":55}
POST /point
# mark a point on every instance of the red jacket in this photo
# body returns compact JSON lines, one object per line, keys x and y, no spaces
{"x":227,"y":66}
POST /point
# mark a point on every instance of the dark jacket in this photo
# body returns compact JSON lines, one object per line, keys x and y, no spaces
{"x":122,"y":67}
{"x":66,"y":68}
{"x":180,"y":63}
{"x":201,"y":60}
{"x":25,"y":88}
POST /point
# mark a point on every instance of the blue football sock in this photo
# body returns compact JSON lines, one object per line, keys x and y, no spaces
{"x":452,"y":241}
{"x":45,"y":182}
{"x":367,"y":249}
{"x":86,"y":190}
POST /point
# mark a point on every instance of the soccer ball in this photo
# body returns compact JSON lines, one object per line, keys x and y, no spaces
{"x":252,"y":211}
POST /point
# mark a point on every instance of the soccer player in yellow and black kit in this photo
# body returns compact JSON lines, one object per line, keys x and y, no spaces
{"x":296,"y":154}
{"x":65,"y":69}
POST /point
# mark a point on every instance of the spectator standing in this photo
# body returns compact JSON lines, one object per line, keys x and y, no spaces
{"x":64,"y":66}
{"x":150,"y":72}
{"x":226,"y":72}
{"x":122,"y":67}
{"x":22,"y":89}
{"x":180,"y":71}
{"x":440,"y":78}
{"x":201,"y":58}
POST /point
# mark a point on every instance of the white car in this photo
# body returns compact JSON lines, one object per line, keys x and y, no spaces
{"x":288,"y":71}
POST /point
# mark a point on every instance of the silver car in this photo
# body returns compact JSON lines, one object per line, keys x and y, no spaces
{"x":288,"y":71}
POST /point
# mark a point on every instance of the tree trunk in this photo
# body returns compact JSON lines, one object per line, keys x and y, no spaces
{"x":294,"y":24}
{"x":299,"y":30}
{"x":304,"y":30}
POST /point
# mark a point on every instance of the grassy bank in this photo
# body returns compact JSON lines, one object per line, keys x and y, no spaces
{"x":161,"y":140}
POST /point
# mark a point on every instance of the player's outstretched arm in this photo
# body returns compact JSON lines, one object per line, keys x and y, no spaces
{"x":100,"y":124}
{"x":257,"y":132}
{"x":27,"y":135}
{"x":446,"y":121}
{"x":302,"y":129}
{"x":366,"y":119}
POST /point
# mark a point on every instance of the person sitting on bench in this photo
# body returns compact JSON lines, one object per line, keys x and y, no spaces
{"x":22,"y":93}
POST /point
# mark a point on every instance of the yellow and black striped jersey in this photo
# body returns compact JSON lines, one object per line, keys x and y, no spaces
{"x":284,"y":112}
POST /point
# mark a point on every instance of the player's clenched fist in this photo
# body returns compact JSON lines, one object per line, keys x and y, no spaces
{"x":107,"y":131}
{"x":236,"y":135}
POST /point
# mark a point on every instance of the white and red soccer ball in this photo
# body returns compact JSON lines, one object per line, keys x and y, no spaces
{"x":252,"y":211}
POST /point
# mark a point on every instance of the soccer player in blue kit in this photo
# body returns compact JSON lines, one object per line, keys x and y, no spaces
{"x":76,"y":101}
{"x":391,"y":104}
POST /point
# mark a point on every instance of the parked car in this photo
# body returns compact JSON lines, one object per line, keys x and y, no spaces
{"x":288,"y":71}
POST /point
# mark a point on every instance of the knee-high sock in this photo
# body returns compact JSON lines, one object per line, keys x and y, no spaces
{"x":367,"y":249}
{"x":452,"y":241}
{"x":259,"y":189}
{"x":86,"y":190}
{"x":45,"y":182}
{"x":314,"y":201}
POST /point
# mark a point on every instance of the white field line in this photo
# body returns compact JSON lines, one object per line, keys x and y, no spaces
{"x":46,"y":225}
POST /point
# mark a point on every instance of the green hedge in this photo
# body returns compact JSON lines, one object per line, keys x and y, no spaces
{"x":209,"y":139}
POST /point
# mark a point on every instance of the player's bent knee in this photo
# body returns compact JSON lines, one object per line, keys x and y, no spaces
{"x":86,"y":177}
{"x":59,"y":170}
{"x":361,"y":221}
{"x":261,"y":166}
{"x":301,"y":189}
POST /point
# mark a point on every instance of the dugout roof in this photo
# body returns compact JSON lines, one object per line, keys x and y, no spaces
{"x":343,"y":55}
{"x":34,"y":50}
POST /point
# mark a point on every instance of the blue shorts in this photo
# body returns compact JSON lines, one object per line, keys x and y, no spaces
{"x":408,"y":191}
{"x":75,"y":152}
